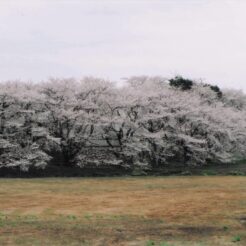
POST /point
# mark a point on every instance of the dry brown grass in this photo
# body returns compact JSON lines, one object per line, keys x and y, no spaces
{"x":123,"y":211}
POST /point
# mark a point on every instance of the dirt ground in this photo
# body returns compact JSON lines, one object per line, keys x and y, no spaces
{"x":123,"y":211}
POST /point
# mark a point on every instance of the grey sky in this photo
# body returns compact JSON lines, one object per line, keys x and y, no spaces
{"x":113,"y":39}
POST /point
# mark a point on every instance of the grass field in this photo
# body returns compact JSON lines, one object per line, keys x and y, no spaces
{"x":123,"y":211}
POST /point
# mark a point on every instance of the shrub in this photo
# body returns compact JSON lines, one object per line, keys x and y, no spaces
{"x":236,"y":239}
{"x":216,"y":89}
{"x":209,"y":173}
{"x":186,"y":173}
{"x":180,"y":82}
{"x":236,"y":173}
{"x":150,"y":243}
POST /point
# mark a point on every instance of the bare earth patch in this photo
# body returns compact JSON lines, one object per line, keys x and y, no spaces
{"x":123,"y":211}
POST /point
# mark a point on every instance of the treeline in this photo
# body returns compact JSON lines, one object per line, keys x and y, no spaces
{"x":148,"y":122}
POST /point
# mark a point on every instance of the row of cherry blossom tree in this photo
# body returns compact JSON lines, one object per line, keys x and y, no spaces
{"x":146,"y":122}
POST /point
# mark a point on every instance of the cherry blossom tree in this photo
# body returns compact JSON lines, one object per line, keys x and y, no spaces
{"x":146,"y":123}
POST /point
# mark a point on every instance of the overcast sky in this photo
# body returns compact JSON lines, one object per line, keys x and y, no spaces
{"x":113,"y":39}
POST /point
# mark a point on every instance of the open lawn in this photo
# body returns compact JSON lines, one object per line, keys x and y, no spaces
{"x":123,"y":211}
